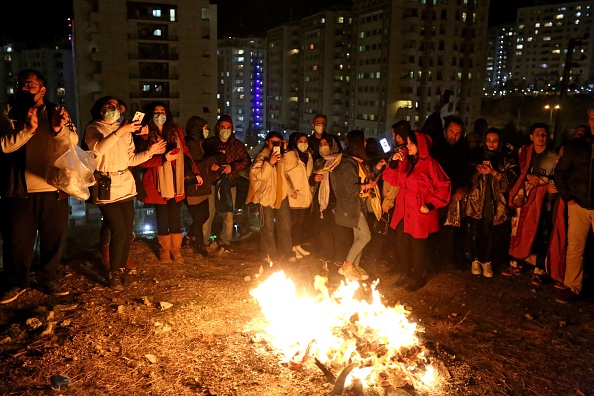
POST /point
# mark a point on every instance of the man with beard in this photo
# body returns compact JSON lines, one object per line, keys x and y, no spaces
{"x":451,"y":152}
{"x":38,"y":135}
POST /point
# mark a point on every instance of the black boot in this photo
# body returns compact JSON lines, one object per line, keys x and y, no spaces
{"x":200,"y":249}
{"x":115,"y":280}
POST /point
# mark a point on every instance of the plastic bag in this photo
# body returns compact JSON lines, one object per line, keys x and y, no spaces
{"x":73,"y":172}
{"x":382,"y":224}
{"x":454,"y":215}
{"x":223,"y":197}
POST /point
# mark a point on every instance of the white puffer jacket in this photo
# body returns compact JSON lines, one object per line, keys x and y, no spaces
{"x":298,"y":175}
{"x":263,"y":179}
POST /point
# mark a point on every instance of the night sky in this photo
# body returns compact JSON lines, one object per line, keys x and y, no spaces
{"x":43,"y":22}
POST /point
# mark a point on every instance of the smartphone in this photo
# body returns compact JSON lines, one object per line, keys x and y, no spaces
{"x":174,"y":151}
{"x":385,"y":145}
{"x":276,"y":150}
{"x":104,"y":190}
{"x":138,"y":116}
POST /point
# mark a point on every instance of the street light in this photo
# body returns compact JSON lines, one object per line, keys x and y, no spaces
{"x":547,"y":107}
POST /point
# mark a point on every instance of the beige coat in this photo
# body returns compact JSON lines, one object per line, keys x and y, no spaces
{"x":298,"y":175}
{"x":114,"y":154}
{"x":263,"y":179}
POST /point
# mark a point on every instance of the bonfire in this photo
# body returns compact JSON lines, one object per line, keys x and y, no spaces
{"x":359,"y":343}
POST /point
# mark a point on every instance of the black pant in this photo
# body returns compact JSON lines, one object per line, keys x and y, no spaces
{"x":297,"y":223}
{"x":24,"y":218}
{"x":413,"y":253}
{"x":168,"y":217}
{"x":373,"y":250}
{"x":200,"y":214}
{"x":119,"y":218}
{"x":484,"y":239}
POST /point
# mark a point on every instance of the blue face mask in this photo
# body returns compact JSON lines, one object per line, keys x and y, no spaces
{"x":159,"y":119}
{"x":121,"y":119}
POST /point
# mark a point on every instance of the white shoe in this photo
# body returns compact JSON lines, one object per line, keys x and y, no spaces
{"x":301,"y":250}
{"x":297,"y":252}
{"x":476,"y":268}
{"x":487,"y":270}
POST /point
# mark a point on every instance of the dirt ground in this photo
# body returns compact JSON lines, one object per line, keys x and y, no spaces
{"x":498,"y":336}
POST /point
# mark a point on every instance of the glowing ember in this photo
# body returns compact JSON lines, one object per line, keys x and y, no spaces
{"x":339,"y":330}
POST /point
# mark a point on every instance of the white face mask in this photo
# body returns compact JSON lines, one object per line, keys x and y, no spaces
{"x":159,"y":119}
{"x":319,"y":129}
{"x":111,"y":115}
{"x":302,"y":147}
{"x":225,"y":133}
{"x":324,"y":150}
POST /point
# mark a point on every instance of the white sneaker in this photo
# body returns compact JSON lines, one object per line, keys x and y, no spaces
{"x":487,"y":270}
{"x":301,"y":250}
{"x":297,"y":252}
{"x":476,"y":268}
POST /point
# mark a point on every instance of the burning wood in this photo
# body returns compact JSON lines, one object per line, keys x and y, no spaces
{"x":369,"y":344}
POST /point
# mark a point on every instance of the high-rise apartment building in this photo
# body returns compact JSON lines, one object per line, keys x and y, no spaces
{"x":545,"y":34}
{"x":500,"y":53}
{"x":407,"y":54}
{"x":386,"y":61}
{"x":326,"y":40}
{"x":150,"y":50}
{"x":241,"y":95}
{"x":283,"y":78}
{"x":57,"y":65}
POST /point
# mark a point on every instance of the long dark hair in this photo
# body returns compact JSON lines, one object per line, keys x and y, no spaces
{"x":293,"y":139}
{"x":96,"y":109}
{"x":169,"y":133}
{"x":356,"y":144}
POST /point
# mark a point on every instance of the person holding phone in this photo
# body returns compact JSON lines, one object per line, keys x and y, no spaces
{"x":424,"y":187}
{"x":164,"y":179}
{"x":486,"y":203}
{"x":269,"y":188}
{"x":114,"y":192}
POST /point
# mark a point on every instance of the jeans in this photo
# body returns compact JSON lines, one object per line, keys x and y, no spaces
{"x":298,"y":221}
{"x":168,"y":217}
{"x":119,"y":218}
{"x":362,"y":236}
{"x":227,"y":231}
{"x":24,"y":218}
{"x":271,"y":218}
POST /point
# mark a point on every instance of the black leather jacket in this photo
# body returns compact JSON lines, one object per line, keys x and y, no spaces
{"x":574,"y":174}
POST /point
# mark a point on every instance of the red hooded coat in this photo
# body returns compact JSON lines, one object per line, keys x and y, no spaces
{"x":426,"y":184}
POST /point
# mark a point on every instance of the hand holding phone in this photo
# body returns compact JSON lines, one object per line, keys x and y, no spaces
{"x":138,"y":116}
{"x":276,"y":150}
{"x":385,"y":145}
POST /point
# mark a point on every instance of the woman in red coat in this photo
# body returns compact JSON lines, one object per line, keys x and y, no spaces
{"x":163,"y":180}
{"x":423,"y":188}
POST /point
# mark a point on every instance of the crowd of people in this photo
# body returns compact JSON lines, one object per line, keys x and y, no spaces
{"x":429,"y":200}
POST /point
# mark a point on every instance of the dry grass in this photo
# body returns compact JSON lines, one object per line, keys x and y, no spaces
{"x":210,"y":341}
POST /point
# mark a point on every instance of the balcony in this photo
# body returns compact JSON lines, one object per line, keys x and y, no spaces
{"x":154,"y":76}
{"x":150,"y":37}
{"x":154,"y":56}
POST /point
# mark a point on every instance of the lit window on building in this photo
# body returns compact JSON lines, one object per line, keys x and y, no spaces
{"x":205,"y":13}
{"x":172,"y":15}
{"x":340,"y":20}
{"x":559,"y":16}
{"x":312,"y":46}
{"x":240,"y":52}
{"x":157,"y":13}
{"x":157,"y":32}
